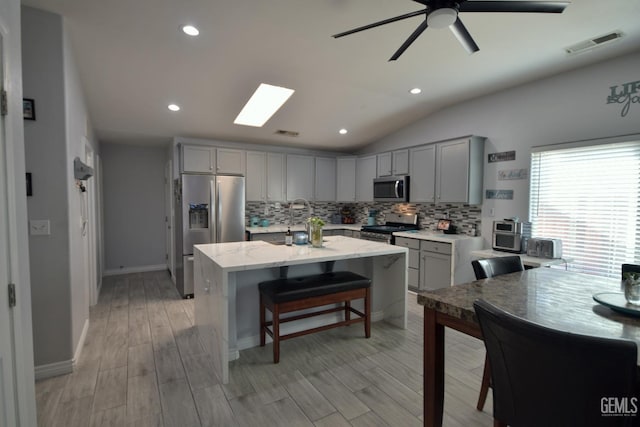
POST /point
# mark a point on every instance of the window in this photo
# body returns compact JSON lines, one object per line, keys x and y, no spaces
{"x":589,"y":197}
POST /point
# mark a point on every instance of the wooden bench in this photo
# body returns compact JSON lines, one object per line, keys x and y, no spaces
{"x":286,"y":295}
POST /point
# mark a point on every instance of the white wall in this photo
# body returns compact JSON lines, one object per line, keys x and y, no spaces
{"x":134,"y":210}
{"x":567,"y":107}
{"x":60,"y":303}
{"x":15,"y":168}
{"x":79,"y":134}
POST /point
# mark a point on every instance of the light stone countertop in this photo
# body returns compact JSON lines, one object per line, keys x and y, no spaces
{"x":253,"y":255}
{"x":282,"y":228}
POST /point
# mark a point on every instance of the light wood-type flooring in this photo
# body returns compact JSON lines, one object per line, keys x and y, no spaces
{"x":143,"y":365}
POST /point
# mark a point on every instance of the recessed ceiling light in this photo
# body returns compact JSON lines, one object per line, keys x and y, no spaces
{"x":263,"y":104}
{"x":342,"y":131}
{"x":415,"y":91}
{"x":190,"y":30}
{"x":173,"y":107}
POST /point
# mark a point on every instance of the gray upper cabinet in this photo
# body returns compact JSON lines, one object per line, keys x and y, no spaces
{"x":384,"y":164}
{"x":198,"y":158}
{"x":230,"y":161}
{"x":300,"y":177}
{"x":365,"y":174}
{"x":422,"y":187}
{"x":346,"y":185}
{"x":459,"y":166}
{"x":256,"y":183}
{"x":276,"y":178}
{"x":265,"y":176}
{"x":393,"y":163}
{"x":325,"y":181}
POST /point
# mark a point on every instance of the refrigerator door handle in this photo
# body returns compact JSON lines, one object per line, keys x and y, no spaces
{"x":212,"y":220}
{"x":218,"y":213}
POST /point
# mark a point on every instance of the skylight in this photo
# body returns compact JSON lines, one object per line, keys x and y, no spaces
{"x":263,"y":104}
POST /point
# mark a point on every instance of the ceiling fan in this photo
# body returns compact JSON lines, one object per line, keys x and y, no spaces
{"x":444,"y":13}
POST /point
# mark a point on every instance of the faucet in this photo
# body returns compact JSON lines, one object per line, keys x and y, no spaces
{"x":295,"y":206}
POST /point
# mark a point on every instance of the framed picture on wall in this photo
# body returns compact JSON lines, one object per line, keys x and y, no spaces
{"x":28,"y":109}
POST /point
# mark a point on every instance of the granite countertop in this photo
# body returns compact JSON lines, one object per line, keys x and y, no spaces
{"x":253,"y":255}
{"x":282,"y":228}
{"x":551,"y":297}
{"x":434,"y":236}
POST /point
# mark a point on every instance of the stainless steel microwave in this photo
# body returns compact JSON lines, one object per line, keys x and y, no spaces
{"x":391,"y":189}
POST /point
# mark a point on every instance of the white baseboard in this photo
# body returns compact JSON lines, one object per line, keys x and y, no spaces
{"x":80,"y":346}
{"x":66,"y":366}
{"x":53,"y":369}
{"x":140,"y":269}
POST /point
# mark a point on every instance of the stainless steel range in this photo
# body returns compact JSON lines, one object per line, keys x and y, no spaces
{"x":393,"y":222}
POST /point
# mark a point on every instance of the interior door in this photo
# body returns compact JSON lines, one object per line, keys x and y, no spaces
{"x":8,"y":394}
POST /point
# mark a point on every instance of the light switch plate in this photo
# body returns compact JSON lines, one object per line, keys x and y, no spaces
{"x":39,"y":227}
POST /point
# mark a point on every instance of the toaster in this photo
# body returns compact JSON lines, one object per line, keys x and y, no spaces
{"x":544,"y":248}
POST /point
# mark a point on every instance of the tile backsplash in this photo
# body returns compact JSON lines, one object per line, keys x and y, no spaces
{"x":466,"y":217}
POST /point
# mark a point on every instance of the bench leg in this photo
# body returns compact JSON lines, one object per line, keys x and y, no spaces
{"x":367,"y":313}
{"x":263,"y":321}
{"x":347,"y":310}
{"x":276,"y":333}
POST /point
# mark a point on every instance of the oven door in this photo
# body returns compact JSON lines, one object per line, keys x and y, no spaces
{"x":375,"y":237}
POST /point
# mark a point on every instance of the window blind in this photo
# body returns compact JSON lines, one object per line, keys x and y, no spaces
{"x":589,"y":197}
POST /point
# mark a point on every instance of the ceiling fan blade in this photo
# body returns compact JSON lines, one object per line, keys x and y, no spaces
{"x":410,"y":40}
{"x":514,"y":6}
{"x":460,"y":31}
{"x":383,"y":22}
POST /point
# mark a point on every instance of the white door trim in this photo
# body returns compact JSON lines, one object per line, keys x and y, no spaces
{"x":13,"y":168}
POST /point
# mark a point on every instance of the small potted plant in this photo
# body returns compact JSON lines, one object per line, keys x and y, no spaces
{"x":315,"y":231}
{"x":631,"y":283}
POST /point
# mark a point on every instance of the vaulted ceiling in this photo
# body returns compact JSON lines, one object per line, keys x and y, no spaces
{"x":134,"y":60}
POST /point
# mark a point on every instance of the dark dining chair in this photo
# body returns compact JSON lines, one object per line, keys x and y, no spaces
{"x":483,"y":269}
{"x":547,"y":377}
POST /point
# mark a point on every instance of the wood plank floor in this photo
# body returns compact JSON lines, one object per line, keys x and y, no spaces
{"x":143,"y":365}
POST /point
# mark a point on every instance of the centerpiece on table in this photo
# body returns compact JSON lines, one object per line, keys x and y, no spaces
{"x":315,"y":231}
{"x":631,"y":284}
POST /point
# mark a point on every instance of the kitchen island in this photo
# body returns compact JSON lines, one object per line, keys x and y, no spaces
{"x":226,"y":277}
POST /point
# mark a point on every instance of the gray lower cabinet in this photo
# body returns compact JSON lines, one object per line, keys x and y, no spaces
{"x":435,"y":265}
{"x":413,"y":274}
{"x":268,"y":237}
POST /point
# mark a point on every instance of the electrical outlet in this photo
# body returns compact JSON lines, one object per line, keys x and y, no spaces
{"x":492,"y":212}
{"x":39,"y":227}
{"x":278,"y":205}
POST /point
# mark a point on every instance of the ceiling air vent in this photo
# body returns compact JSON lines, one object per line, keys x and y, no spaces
{"x":287,"y":133}
{"x":593,"y":43}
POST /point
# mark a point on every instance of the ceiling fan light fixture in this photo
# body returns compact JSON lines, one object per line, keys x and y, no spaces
{"x":442,"y":18}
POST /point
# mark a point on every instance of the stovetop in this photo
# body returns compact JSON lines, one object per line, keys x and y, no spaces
{"x":389,"y":228}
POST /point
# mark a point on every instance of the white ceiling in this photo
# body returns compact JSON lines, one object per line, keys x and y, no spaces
{"x":133,"y":61}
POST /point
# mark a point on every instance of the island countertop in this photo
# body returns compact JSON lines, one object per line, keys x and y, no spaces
{"x":252,"y":255}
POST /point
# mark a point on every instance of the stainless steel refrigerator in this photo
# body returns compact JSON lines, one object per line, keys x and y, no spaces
{"x":208,"y":209}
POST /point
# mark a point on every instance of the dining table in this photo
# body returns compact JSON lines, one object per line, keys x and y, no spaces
{"x":550,"y":297}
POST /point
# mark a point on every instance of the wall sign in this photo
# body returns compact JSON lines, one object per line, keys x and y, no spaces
{"x":502,"y":157}
{"x":511,"y":174}
{"x":625,"y":94}
{"x":499,"y":194}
